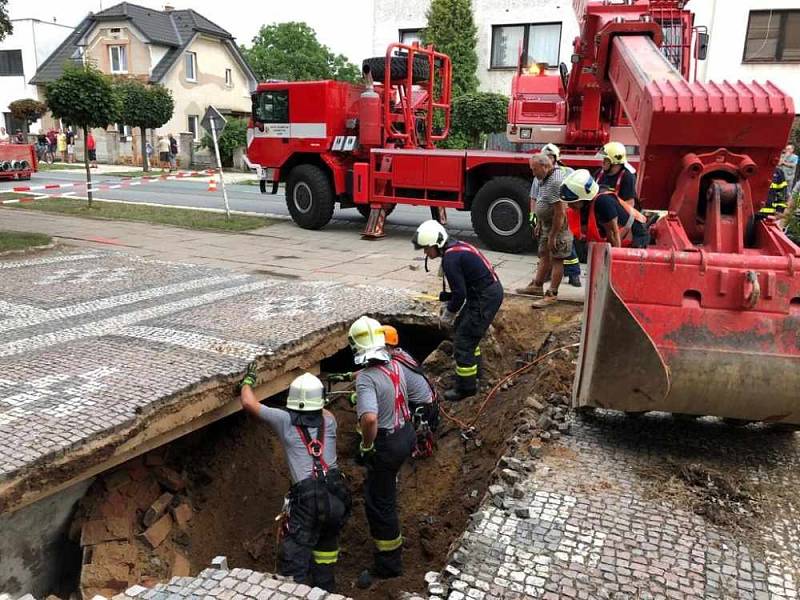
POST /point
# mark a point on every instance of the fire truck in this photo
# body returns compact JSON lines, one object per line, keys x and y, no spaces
{"x":17,"y":161}
{"x":706,"y":319}
{"x":373,"y":146}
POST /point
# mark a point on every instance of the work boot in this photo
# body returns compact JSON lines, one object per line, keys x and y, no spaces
{"x":549,"y":299}
{"x":364,"y":580}
{"x":531,"y":290}
{"x":456,"y":394}
{"x":575,"y":281}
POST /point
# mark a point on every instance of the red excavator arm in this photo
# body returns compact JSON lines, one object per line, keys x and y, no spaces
{"x":705,"y":320}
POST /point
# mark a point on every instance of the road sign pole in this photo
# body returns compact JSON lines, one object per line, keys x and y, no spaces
{"x":219,"y":167}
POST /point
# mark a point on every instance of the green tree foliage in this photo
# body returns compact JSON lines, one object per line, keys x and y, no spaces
{"x":475,"y":115}
{"x":451,"y":29}
{"x":27,"y":109}
{"x":83,"y":97}
{"x":144,"y":106}
{"x":6,"y":26}
{"x":234,"y":136}
{"x":291,"y":51}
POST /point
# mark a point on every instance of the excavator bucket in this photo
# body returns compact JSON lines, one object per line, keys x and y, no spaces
{"x":692,"y":333}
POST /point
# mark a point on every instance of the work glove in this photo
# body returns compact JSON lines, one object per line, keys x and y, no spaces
{"x":337,"y":377}
{"x":353,"y":399}
{"x":250,"y":376}
{"x":446,"y":318}
{"x":365,"y":454}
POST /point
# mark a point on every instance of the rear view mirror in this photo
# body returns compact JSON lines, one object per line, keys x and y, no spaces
{"x":701,"y":46}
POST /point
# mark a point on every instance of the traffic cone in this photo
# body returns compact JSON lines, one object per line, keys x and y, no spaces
{"x":212,"y":184}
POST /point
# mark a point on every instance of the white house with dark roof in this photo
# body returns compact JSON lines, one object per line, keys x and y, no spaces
{"x":195,"y":58}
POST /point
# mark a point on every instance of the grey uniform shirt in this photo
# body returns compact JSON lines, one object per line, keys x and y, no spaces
{"x":297,"y":457}
{"x":375,"y":394}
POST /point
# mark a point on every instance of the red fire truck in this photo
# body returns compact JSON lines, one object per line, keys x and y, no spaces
{"x":373,"y":146}
{"x":17,"y":161}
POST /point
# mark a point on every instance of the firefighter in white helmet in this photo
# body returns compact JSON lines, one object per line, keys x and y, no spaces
{"x":608,"y":217}
{"x":318,"y":501}
{"x":387,"y":440}
{"x":473,"y":301}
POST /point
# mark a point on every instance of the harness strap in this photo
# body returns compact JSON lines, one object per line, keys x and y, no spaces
{"x":465,"y":247}
{"x":315,"y":448}
{"x":405,"y":359}
{"x":400,"y":405}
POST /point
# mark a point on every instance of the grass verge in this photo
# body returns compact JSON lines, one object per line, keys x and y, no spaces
{"x":178,"y":217}
{"x":43,"y":166}
{"x":20,"y":240}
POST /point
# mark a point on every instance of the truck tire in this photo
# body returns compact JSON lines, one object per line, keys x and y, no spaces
{"x":500,"y":214}
{"x":364,"y":210}
{"x":399,"y":68}
{"x":309,"y":197}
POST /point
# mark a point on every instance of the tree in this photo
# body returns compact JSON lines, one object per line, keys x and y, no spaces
{"x":478,"y":114}
{"x":6,"y":26}
{"x":85,"y":98}
{"x":144,"y":106}
{"x":233,"y":136}
{"x":291,"y":51}
{"x":27,"y":109}
{"x":451,"y":29}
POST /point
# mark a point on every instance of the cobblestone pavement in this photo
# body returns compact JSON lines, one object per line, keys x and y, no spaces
{"x":606,"y":514}
{"x":90,"y":339}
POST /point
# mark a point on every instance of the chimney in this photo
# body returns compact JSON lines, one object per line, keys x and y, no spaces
{"x":168,"y":8}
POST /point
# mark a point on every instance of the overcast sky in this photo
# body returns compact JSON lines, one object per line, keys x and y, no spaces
{"x":337,"y":22}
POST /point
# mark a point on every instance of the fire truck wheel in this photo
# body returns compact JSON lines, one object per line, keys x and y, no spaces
{"x":399,"y":68}
{"x":500,"y":215}
{"x":309,"y":197}
{"x":364,"y":210}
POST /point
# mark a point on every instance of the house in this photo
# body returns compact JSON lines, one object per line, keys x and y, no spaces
{"x":544,"y":29}
{"x":21,"y":53}
{"x":196,"y":59}
{"x":751,"y":40}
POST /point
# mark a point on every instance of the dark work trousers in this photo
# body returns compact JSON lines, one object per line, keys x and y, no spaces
{"x":572,"y":265}
{"x":471,"y":325}
{"x":380,"y":498}
{"x":317,"y":512}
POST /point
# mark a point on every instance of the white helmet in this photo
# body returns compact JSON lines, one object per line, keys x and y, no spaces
{"x":367,"y":341}
{"x":430,"y":233}
{"x":306,"y":393}
{"x":578,"y":185}
{"x":552,"y":150}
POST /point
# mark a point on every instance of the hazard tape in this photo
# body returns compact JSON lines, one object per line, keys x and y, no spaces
{"x":126,"y":181}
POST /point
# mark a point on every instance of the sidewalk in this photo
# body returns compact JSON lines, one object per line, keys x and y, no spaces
{"x":336,"y":253}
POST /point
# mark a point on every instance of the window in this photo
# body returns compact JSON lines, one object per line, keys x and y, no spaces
{"x":124,"y":131}
{"x":409,"y":36}
{"x":773,"y":36}
{"x":228,"y":78}
{"x":271,"y":107}
{"x":539,"y":42}
{"x":191,"y":66}
{"x":11,"y":62}
{"x":194,"y":127}
{"x":118,"y":56}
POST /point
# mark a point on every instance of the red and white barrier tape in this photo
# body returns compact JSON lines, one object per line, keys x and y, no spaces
{"x":127,"y":181}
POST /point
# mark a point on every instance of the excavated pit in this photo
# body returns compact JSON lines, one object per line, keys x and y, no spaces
{"x":217,"y":490}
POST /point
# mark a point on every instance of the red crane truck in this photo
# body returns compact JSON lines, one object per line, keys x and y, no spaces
{"x":706,"y":319}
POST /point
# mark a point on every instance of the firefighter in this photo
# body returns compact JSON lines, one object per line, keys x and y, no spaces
{"x":572,"y":268}
{"x":617,"y":174}
{"x":423,"y":402}
{"x":777,"y":195}
{"x":473,"y":301}
{"x":387,"y":440}
{"x":318,"y":501}
{"x":609,"y":218}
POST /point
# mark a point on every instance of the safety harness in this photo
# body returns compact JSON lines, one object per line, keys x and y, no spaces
{"x":460,"y":246}
{"x":421,"y":417}
{"x":392,"y":371}
{"x":315,"y":448}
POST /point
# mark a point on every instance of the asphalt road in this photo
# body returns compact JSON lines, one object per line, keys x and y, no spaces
{"x":193,"y":192}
